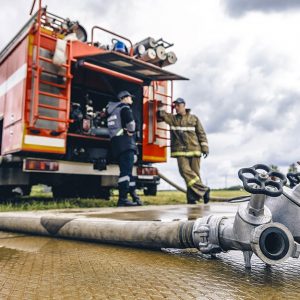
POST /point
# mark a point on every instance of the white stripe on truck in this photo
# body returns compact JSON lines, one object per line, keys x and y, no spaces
{"x":13,"y":80}
{"x":43,"y":141}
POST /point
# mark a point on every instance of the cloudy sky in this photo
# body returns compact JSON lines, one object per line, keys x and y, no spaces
{"x":242,"y":58}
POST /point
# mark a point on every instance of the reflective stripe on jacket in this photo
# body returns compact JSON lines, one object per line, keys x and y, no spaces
{"x":188,"y":137}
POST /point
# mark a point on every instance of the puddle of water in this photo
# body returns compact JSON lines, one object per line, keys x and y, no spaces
{"x":25,"y":243}
{"x":6,"y":253}
{"x":70,"y":211}
{"x":6,"y":235}
{"x":166,"y":214}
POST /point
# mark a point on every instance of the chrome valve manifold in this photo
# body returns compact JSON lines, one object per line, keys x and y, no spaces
{"x":252,"y":229}
{"x":286,"y":208}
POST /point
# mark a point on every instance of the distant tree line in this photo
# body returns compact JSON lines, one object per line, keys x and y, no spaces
{"x":292,"y":168}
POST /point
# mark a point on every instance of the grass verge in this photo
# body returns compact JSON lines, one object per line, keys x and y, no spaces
{"x":39,"y":200}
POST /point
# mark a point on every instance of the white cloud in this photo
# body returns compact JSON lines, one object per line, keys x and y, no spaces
{"x":237,"y":8}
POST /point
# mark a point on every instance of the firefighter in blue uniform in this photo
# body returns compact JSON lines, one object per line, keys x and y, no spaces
{"x":122,"y":129}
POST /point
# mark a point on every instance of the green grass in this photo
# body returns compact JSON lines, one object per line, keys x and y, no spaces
{"x":228,"y":193}
{"x":39,"y":200}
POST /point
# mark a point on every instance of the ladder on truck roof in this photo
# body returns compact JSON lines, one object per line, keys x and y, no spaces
{"x":50,"y":91}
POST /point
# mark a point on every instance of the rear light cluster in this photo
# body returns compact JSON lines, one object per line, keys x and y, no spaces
{"x":147,"y":171}
{"x":41,"y":165}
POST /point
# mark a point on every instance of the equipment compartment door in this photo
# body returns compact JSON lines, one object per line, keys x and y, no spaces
{"x":155,"y":134}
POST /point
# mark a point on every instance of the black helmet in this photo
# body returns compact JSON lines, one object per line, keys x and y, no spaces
{"x":124,"y":94}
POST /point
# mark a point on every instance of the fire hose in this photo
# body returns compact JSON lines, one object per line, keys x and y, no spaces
{"x":252,"y":230}
{"x":181,"y":189}
{"x":172,"y":183}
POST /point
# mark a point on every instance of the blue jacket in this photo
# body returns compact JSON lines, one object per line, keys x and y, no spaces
{"x":120,"y":121}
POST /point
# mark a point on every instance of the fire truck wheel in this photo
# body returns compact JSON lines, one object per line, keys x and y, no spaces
{"x":150,"y":190}
{"x":26,"y":190}
{"x":5,"y":194}
{"x":64,"y":191}
{"x":94,"y":192}
{"x":104,"y":193}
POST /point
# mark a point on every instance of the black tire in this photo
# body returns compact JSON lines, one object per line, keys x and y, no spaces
{"x":85,"y":188}
{"x":150,"y":190}
{"x":6,"y":194}
{"x":64,"y":191}
{"x":26,"y":190}
{"x":94,"y":191}
{"x":104,"y":193}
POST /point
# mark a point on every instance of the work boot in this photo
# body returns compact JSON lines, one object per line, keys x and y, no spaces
{"x":135,"y":198}
{"x":206,"y":196}
{"x":191,"y":196}
{"x":125,"y":202}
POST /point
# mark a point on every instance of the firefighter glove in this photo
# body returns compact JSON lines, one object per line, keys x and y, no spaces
{"x":205,"y":154}
{"x":158,"y":116}
{"x":160,"y":105}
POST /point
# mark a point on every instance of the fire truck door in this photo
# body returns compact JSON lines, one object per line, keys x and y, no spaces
{"x":155,"y":134}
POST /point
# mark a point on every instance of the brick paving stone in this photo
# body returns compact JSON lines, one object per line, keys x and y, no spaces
{"x":48,"y":268}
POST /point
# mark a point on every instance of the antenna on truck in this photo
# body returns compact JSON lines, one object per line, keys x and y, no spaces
{"x":33,"y":4}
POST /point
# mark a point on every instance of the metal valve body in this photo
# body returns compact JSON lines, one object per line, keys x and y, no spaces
{"x":252,"y":229}
{"x":285,"y":209}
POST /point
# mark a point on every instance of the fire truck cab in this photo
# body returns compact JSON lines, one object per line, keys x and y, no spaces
{"x":54,"y":88}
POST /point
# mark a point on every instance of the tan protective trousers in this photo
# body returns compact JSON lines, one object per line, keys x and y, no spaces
{"x":189,"y":169}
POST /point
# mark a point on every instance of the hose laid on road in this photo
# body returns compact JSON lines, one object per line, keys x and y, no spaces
{"x":179,"y":188}
{"x":271,"y":242}
{"x":239,"y":199}
{"x":142,"y":234}
{"x":176,"y":186}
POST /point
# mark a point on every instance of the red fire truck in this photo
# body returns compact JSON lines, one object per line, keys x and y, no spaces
{"x":54,"y":87}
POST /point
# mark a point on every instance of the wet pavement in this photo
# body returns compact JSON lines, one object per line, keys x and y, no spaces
{"x":171,"y":213}
{"x":33,"y":267}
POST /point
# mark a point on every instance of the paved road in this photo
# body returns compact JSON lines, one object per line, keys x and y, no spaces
{"x":34,"y":267}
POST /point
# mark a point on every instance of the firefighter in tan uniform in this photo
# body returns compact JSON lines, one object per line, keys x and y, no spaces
{"x":188,"y":143}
